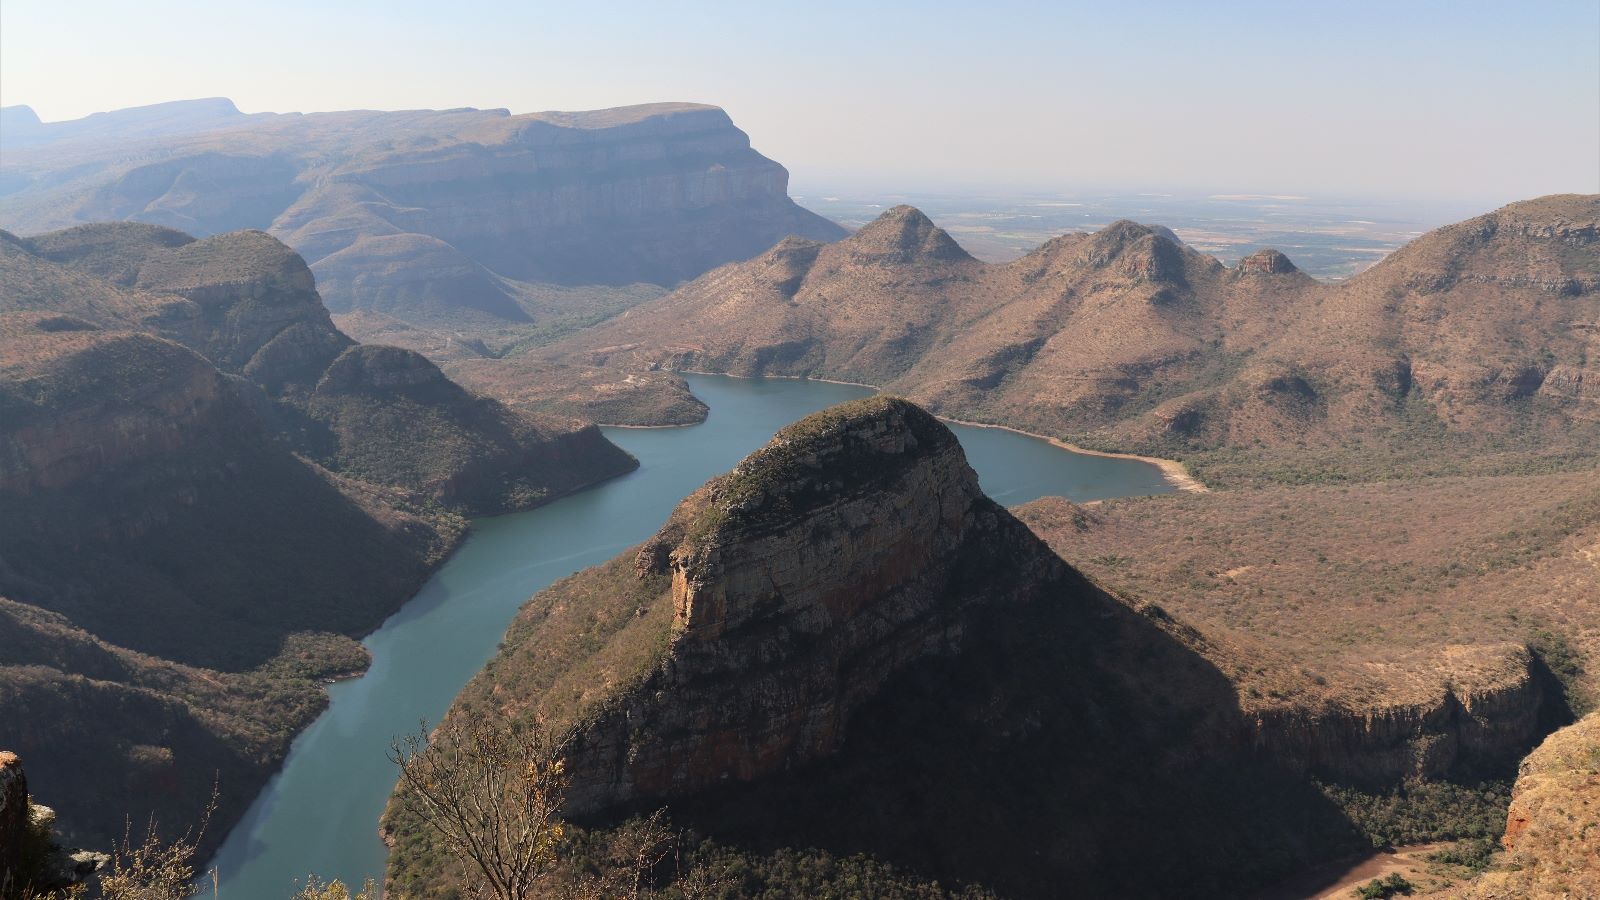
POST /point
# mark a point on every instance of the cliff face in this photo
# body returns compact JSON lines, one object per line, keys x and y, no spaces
{"x":437,"y":215}
{"x":32,"y":862}
{"x":823,"y":565}
{"x":1550,"y":837}
{"x":843,"y":644}
{"x":249,"y":305}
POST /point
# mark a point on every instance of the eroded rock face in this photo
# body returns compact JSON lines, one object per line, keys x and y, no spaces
{"x":1468,"y":731}
{"x":13,"y":817}
{"x":425,"y":213}
{"x":1267,"y":262}
{"x":1551,"y":832}
{"x":850,"y":547}
{"x":32,"y":862}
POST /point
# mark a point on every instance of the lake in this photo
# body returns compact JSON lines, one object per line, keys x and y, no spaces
{"x":320,"y":814}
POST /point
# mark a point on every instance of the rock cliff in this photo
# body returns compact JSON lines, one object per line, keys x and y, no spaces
{"x":849,"y":548}
{"x":32,"y":861}
{"x":1552,"y":836}
{"x":843,"y":644}
{"x":433,"y":215}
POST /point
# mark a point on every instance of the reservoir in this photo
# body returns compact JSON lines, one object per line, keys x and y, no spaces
{"x":320,"y":814}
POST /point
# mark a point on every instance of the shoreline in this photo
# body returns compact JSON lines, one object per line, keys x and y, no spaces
{"x":1176,"y":473}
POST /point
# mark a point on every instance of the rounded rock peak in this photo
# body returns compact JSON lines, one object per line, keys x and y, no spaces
{"x":904,"y":234}
{"x":369,"y":366}
{"x":1267,"y":261}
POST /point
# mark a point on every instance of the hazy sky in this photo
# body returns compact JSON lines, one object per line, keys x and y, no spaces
{"x":1465,"y":100}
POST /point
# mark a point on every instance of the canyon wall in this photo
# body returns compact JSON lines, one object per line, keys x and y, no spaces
{"x":845,"y":629}
{"x":436,"y":215}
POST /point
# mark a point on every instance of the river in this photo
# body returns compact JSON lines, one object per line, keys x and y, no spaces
{"x":319,"y":814}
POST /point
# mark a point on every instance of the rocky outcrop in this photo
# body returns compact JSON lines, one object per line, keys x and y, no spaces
{"x":1462,"y":731}
{"x":1552,"y":827}
{"x":800,"y":583}
{"x":1266,"y":261}
{"x":14,"y":821}
{"x":433,"y":215}
{"x":32,"y":860}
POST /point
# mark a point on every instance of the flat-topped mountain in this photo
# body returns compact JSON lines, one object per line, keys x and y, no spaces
{"x":1127,"y":337}
{"x":845,"y":629}
{"x":249,"y":305}
{"x":439,"y":216}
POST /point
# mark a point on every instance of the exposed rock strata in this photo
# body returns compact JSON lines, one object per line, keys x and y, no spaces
{"x":429,"y":215}
{"x":845,"y":630}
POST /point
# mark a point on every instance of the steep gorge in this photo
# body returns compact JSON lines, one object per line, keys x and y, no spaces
{"x":843,"y":628}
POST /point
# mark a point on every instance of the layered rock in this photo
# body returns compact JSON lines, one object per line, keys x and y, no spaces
{"x":431,"y":215}
{"x":800,"y":583}
{"x":843,"y":644}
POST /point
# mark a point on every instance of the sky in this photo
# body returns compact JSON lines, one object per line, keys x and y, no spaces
{"x":1467,"y":101}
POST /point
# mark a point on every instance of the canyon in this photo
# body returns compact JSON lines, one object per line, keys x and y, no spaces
{"x":843,"y":626}
{"x":209,"y":493}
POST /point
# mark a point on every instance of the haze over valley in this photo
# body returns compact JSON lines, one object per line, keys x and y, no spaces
{"x":895,"y":454}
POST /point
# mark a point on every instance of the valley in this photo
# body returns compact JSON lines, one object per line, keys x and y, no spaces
{"x":319,"y":813}
{"x":550,"y":505}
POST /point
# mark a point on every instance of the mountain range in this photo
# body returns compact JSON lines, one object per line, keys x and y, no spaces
{"x":452,"y":215}
{"x":1126,"y":338}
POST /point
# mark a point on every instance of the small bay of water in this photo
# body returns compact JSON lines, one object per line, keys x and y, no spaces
{"x":319,"y":815}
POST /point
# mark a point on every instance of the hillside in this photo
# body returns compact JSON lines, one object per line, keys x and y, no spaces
{"x":249,"y":305}
{"x":1474,"y":347}
{"x":1550,"y":831}
{"x":443,"y":217}
{"x":1381,"y":594}
{"x":176,"y":581}
{"x":920,"y":679}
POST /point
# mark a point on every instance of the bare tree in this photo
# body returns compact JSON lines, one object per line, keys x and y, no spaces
{"x":491,"y":788}
{"x":154,"y":869}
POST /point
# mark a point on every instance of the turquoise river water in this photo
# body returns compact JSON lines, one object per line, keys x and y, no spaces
{"x":320,"y":814}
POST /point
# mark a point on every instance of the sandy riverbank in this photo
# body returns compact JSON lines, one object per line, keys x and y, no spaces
{"x":1173,"y":471}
